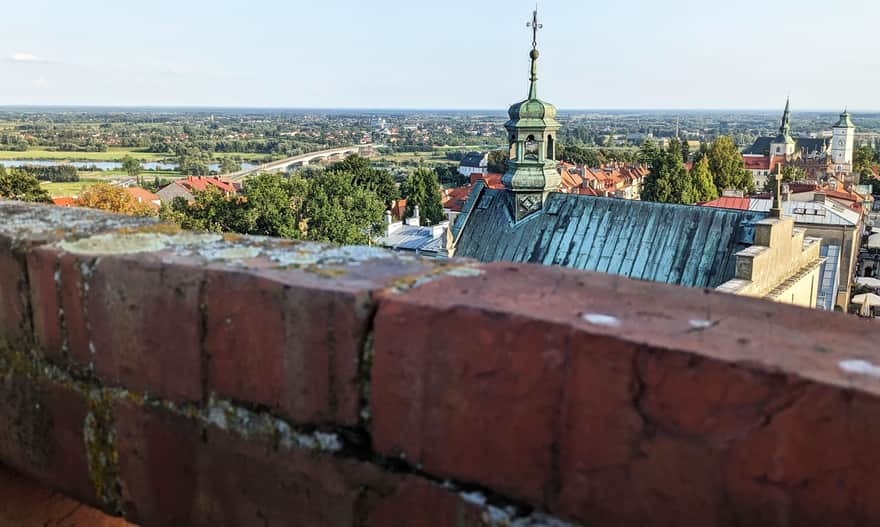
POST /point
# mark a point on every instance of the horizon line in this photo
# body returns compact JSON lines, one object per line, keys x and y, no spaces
{"x":407,"y":109}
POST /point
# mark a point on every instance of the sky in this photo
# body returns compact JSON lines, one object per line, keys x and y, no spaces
{"x":454,"y":54}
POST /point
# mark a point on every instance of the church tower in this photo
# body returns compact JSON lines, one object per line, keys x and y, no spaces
{"x":783,"y":144}
{"x":531,"y":168}
{"x":843,"y":139}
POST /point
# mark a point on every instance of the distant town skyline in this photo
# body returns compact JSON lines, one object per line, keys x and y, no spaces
{"x":392,"y":54}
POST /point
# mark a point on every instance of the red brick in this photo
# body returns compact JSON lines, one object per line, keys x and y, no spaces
{"x":464,"y":393}
{"x":813,"y":462}
{"x":41,"y":434}
{"x":286,"y":343}
{"x":24,"y":503}
{"x":415,"y":501}
{"x":145,"y":326}
{"x":173,"y":475}
{"x":14,"y":324}
{"x":601,"y":430}
{"x":42,"y":265}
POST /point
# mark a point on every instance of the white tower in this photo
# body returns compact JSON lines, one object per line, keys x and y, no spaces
{"x":843,"y":140}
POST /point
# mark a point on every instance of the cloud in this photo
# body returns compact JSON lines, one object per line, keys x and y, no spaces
{"x":25,"y":57}
{"x":41,"y":83}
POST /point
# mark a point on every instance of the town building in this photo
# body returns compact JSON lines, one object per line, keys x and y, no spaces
{"x":409,"y":235}
{"x":145,"y":197}
{"x":819,"y":157}
{"x":745,"y":252}
{"x":474,"y":163}
{"x":839,"y":227}
{"x":186,"y":188}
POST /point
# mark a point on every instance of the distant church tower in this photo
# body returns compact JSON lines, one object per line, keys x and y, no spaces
{"x":843,"y":139}
{"x":783,"y":144}
{"x":531,"y":169}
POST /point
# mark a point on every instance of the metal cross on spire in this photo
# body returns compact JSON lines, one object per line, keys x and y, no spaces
{"x":535,"y":27}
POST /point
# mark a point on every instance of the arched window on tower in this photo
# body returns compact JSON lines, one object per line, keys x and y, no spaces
{"x":531,"y":147}
{"x":551,"y":153}
{"x":512,"y":153}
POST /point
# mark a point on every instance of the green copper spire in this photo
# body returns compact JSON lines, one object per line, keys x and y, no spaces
{"x":785,"y":129}
{"x":532,"y":127}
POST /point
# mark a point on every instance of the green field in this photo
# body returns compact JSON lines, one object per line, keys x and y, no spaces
{"x":113,"y":154}
{"x":69,"y":189}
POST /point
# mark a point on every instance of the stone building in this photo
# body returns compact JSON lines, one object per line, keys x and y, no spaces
{"x":529,"y":221}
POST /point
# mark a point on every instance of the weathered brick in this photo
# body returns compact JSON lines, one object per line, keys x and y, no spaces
{"x":145,"y":325}
{"x":41,"y":434}
{"x":175,"y":473}
{"x":812,"y":462}
{"x":15,"y":327}
{"x":465,"y":403}
{"x":42,"y":266}
{"x":287,"y":340}
{"x":416,"y":501}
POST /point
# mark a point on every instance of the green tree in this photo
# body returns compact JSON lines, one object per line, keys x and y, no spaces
{"x":19,"y":185}
{"x":363,"y":175}
{"x":422,"y":188}
{"x":701,"y":178}
{"x":334,"y":210}
{"x":498,"y":161}
{"x":229,"y":165}
{"x":132,"y":167}
{"x":685,"y":151}
{"x":727,"y":166}
{"x":682,"y":189}
{"x":863,"y":160}
{"x":274,"y":205}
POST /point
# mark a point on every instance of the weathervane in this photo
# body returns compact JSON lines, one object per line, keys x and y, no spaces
{"x":535,"y":27}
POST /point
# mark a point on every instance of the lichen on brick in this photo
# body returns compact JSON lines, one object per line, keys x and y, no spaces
{"x":99,"y":434}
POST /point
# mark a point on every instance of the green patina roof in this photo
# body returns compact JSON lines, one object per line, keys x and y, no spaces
{"x":676,"y":244}
{"x":532,"y":112}
{"x":845,"y":121}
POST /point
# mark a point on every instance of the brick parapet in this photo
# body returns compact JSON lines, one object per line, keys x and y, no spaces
{"x":198,"y":379}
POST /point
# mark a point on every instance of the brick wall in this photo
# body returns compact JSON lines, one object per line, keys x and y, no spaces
{"x":198,"y":379}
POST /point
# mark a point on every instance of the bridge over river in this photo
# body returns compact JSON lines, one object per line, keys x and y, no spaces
{"x":300,"y":160}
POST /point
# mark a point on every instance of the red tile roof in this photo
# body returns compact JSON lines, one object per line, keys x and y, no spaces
{"x":757,"y":163}
{"x":728,"y":203}
{"x":455,"y":198}
{"x":492,"y":181}
{"x":64,"y":202}
{"x":203,"y":182}
{"x":144,"y":196}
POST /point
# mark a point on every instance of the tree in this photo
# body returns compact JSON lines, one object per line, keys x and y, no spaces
{"x":863,"y":160}
{"x":334,"y":210}
{"x":229,"y":165}
{"x":681,"y":187}
{"x":498,"y":161}
{"x":132,"y":167}
{"x":685,"y":151}
{"x":701,"y":178}
{"x":275,"y":205}
{"x":727,"y":166}
{"x":19,"y":185}
{"x":112,"y":199}
{"x":363,"y":175}
{"x":422,"y":188}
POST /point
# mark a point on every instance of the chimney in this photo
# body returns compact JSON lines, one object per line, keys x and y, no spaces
{"x":387,"y":223}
